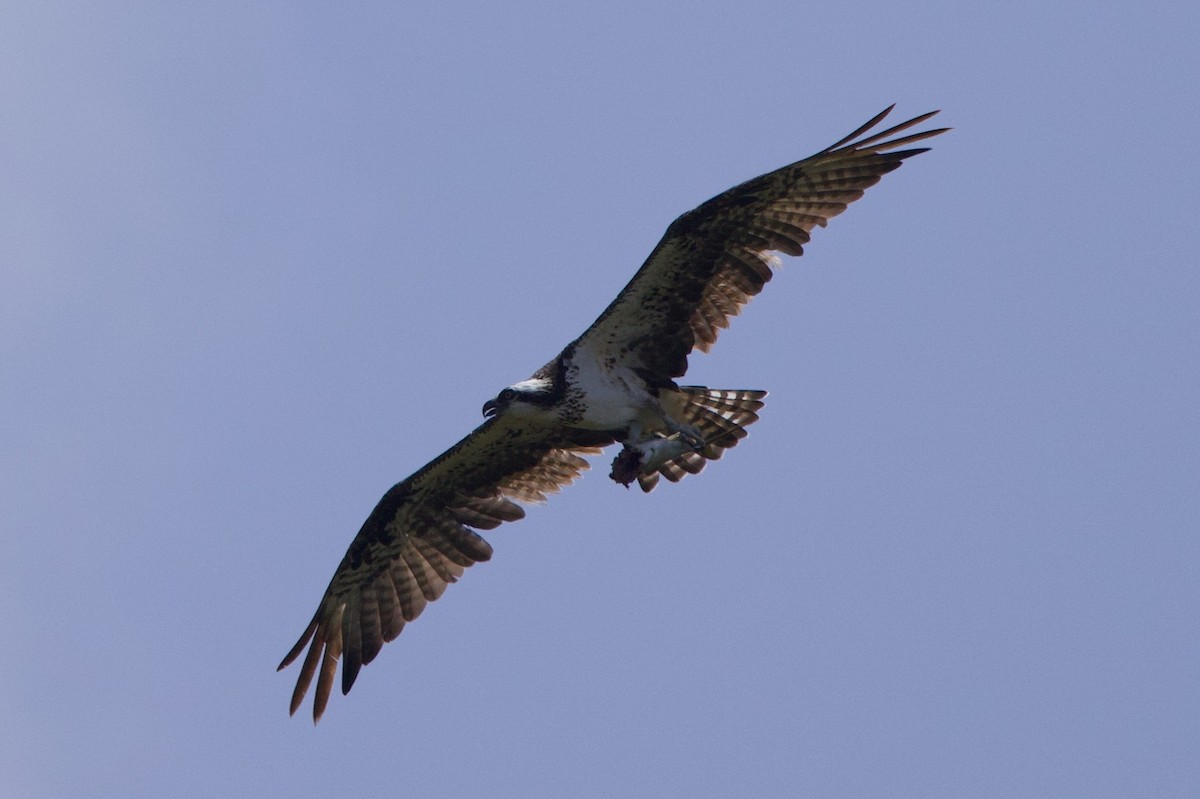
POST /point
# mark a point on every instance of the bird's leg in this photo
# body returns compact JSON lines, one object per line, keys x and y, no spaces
{"x":643,"y":453}
{"x":688,"y":434}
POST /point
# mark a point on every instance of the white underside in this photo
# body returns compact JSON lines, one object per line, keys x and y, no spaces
{"x":615,"y":399}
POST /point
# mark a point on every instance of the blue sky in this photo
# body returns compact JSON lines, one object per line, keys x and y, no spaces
{"x":259,"y":262}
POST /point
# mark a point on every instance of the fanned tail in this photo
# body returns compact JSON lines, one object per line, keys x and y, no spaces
{"x":721,"y":416}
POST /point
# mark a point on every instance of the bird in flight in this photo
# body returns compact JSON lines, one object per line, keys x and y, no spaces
{"x":615,"y":384}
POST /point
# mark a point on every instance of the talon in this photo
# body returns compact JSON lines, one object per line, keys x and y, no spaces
{"x":692,"y":438}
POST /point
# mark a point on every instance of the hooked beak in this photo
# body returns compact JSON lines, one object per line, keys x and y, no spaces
{"x":490,"y":409}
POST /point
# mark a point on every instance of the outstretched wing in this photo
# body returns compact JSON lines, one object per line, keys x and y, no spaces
{"x":419,"y":539}
{"x":713,"y":259}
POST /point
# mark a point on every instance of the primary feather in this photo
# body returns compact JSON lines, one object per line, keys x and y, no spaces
{"x":615,"y":383}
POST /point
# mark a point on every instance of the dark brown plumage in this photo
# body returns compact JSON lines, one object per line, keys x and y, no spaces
{"x":711,"y":261}
{"x":418,"y":540}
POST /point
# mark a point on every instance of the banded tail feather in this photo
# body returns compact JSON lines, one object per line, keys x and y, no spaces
{"x":721,"y":416}
{"x":709,"y":264}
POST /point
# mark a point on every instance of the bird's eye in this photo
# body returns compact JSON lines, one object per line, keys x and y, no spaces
{"x":507,"y":395}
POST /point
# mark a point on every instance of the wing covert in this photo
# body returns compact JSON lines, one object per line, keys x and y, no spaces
{"x":713,"y":259}
{"x":418,"y":540}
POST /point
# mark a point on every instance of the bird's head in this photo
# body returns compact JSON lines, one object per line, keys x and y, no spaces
{"x":524,"y":397}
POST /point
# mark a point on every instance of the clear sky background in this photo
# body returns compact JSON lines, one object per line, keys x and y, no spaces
{"x":261,"y":261}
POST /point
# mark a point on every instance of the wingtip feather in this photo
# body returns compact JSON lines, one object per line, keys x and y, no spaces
{"x":872,"y":122}
{"x":295,"y":651}
{"x":872,"y":142}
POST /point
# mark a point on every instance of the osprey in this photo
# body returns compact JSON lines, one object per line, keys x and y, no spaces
{"x":613,"y":384}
